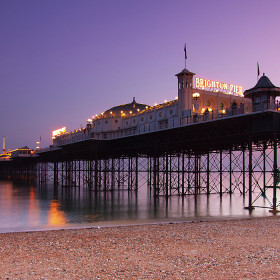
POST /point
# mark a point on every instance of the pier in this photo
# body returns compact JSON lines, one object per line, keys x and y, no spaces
{"x":234,"y":154}
{"x":190,"y":146}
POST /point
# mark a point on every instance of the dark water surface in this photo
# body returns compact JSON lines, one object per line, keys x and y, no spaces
{"x":26,"y":207}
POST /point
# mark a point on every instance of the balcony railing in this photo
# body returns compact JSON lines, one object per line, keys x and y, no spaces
{"x":242,"y":109}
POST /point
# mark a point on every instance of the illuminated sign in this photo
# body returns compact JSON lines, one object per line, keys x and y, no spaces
{"x":229,"y":88}
{"x":58,"y":132}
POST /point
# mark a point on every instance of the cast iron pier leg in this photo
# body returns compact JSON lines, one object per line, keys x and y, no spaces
{"x":221,"y":172}
{"x":183,"y":174}
{"x":275,"y":178}
{"x":250,"y":206}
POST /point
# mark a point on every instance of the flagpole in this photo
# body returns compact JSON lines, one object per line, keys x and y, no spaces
{"x":258,"y":73}
{"x":185,"y":50}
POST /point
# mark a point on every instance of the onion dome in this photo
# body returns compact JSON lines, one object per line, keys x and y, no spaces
{"x":263,"y":86}
{"x":125,"y":109}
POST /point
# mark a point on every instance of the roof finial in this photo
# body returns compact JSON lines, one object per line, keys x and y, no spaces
{"x":133,"y":100}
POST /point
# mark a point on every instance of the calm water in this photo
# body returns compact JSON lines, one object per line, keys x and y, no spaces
{"x":30,"y":207}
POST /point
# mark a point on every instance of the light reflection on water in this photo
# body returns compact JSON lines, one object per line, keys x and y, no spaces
{"x":30,"y":207}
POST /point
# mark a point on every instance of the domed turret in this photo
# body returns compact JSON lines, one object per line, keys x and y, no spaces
{"x":125,"y":109}
{"x":263,"y":93}
{"x":263,"y":87}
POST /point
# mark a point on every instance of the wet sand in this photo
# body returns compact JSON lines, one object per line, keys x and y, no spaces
{"x":218,"y":249}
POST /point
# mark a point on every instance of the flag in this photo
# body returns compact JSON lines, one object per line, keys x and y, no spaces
{"x":258,"y":69}
{"x":185,"y":49}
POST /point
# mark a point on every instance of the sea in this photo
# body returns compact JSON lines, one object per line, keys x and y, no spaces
{"x":33,"y":207}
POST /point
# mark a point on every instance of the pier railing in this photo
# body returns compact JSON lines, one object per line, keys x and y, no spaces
{"x":234,"y":110}
{"x":194,"y":118}
{"x":207,"y":115}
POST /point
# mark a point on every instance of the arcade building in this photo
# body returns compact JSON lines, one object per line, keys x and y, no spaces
{"x":199,"y":100}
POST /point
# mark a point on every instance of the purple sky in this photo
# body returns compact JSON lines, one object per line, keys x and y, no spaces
{"x":63,"y":61}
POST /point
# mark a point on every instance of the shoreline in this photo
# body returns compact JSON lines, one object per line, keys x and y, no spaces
{"x":120,"y":223}
{"x":210,"y":249}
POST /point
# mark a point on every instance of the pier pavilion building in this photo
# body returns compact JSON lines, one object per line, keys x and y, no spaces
{"x":211,"y":139}
{"x":198,"y":100}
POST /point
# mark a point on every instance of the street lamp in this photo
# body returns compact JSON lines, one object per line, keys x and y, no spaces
{"x":196,"y":96}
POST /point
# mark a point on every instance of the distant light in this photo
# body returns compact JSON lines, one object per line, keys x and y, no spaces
{"x":130,"y":112}
{"x":59,"y":131}
{"x":121,"y":112}
{"x":165,"y":101}
{"x":146,"y":107}
{"x":176,"y":98}
{"x":156,"y":104}
{"x":138,"y":109}
{"x":203,"y":110}
{"x":210,"y":109}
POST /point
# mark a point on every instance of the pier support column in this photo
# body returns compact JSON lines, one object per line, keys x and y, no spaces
{"x":55,"y":173}
{"x":96,"y":174}
{"x":196,"y":172}
{"x":136,"y":173}
{"x":183,"y":175}
{"x":250,"y":206}
{"x":275,"y":178}
{"x":264,"y":167}
{"x":244,"y":172}
{"x":112,"y":174}
{"x":166,"y":175}
{"x":230,"y":171}
{"x":178,"y":173}
{"x":154,"y":176}
{"x":221,"y":172}
{"x":208,"y":175}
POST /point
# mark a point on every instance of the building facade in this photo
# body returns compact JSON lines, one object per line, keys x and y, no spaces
{"x":198,"y":100}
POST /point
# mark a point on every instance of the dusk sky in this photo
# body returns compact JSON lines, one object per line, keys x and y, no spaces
{"x":64,"y":61}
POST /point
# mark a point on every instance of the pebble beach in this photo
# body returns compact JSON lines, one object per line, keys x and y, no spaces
{"x":216,"y":249}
